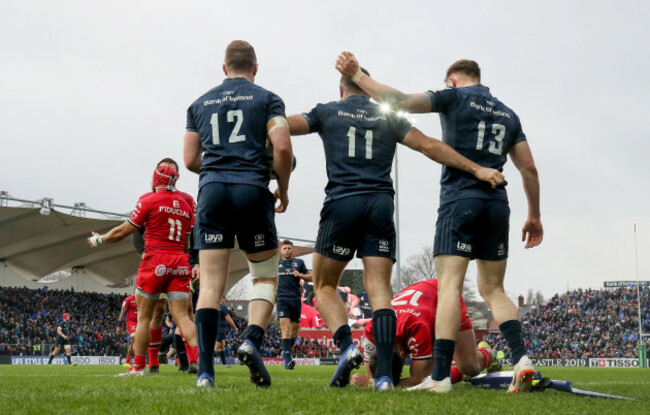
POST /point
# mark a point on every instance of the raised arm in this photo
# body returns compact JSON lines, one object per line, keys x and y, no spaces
{"x":348,"y":66}
{"x":442,"y":153}
{"x":298,"y":125}
{"x":533,"y":231}
{"x":114,"y":235}
{"x":192,"y":151}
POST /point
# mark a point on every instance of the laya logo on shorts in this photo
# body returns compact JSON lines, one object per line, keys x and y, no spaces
{"x":259,"y":240}
{"x":384,"y":245}
{"x":501,"y":249}
{"x":340,"y":250}
{"x":213,"y":238}
{"x":161,"y":270}
{"x":461,"y":246}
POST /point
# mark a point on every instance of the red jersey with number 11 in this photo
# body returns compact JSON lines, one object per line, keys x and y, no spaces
{"x":166,"y":217}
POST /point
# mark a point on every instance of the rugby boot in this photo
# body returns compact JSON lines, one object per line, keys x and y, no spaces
{"x":349,"y":360}
{"x":494,"y":365}
{"x":133,"y":372}
{"x":522,"y":381}
{"x":384,"y":383}
{"x":430,"y":385}
{"x":250,"y":356}
{"x":205,"y":381}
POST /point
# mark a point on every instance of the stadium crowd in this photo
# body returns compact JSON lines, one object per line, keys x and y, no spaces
{"x":583,"y":324}
{"x":28,"y":318}
{"x":577,"y":324}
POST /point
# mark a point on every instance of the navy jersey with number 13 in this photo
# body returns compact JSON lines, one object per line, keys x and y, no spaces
{"x":359,"y":141}
{"x":231,"y":120}
{"x":481,"y":128}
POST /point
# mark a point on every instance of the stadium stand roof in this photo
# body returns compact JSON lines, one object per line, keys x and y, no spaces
{"x":38,"y":241}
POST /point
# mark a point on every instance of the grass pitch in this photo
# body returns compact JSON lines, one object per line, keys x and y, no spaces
{"x":94,"y":389}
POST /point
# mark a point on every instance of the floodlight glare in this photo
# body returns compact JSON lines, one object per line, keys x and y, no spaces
{"x":384,"y":107}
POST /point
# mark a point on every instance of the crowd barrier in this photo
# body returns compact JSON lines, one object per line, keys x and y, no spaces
{"x":277,"y":361}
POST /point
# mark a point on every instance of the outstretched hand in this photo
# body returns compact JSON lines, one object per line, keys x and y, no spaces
{"x":347,"y":64}
{"x":532,"y":233}
{"x":492,"y":176}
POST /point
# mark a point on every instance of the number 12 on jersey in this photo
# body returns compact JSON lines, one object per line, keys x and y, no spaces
{"x":352,"y":142}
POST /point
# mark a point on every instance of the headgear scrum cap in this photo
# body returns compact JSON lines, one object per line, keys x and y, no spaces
{"x":164,"y":177}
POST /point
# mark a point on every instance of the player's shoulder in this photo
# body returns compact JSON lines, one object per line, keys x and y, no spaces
{"x":186,"y":197}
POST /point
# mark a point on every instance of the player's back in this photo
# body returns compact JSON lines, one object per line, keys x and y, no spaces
{"x":231,"y":120}
{"x":167,"y":219}
{"x":481,"y":128}
{"x":419,"y":299}
{"x":359,"y":141}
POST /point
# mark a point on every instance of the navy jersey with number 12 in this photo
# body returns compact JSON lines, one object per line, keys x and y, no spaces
{"x":231,"y":121}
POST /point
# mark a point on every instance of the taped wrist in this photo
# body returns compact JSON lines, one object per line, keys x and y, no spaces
{"x":96,"y":240}
{"x":357,"y":76}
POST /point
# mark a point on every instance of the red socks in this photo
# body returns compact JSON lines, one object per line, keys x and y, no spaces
{"x":139,"y":362}
{"x":154,"y":346}
{"x":486,"y":357}
{"x":128,"y":360}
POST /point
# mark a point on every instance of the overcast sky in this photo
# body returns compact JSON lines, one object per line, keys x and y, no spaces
{"x":93,"y":94}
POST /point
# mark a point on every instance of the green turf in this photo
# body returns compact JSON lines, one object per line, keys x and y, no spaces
{"x":94,"y":389}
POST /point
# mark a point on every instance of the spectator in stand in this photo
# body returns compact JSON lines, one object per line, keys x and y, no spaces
{"x":584,"y":323}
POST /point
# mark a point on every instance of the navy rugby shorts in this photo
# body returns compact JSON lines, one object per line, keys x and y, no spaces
{"x":225,"y":211}
{"x":289,"y":308}
{"x":359,"y":223}
{"x":474,"y":228}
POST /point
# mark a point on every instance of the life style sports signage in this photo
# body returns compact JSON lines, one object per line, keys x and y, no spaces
{"x":60,"y":360}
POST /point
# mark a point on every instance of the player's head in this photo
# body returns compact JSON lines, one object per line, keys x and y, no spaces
{"x":66,"y":316}
{"x":240,"y":59}
{"x":399,"y":356}
{"x":169,"y":162}
{"x":223,"y":300}
{"x":463,"y":71}
{"x":286,"y":249}
{"x":164,"y":177}
{"x":347,"y":86}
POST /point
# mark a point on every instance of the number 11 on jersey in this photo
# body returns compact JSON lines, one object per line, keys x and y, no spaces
{"x":352,"y":139}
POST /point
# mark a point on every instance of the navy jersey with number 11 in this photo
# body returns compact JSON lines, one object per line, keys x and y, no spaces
{"x":231,"y":121}
{"x":359,"y":141}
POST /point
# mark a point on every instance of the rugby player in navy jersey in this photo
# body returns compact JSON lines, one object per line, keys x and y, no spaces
{"x":224,"y":321}
{"x":359,"y":140}
{"x":485,"y":130}
{"x":290,"y":271}
{"x":63,"y":339}
{"x":225,"y":142}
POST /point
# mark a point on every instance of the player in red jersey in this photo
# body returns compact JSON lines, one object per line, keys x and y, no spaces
{"x":161,"y":304}
{"x":130,"y":310}
{"x":415,"y":307}
{"x":310,"y":317}
{"x":167,"y":219}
